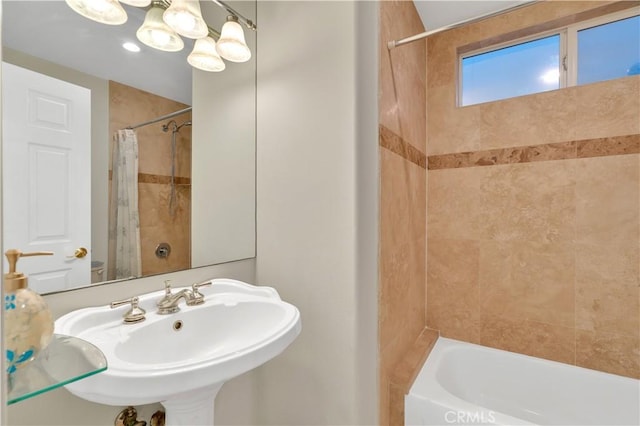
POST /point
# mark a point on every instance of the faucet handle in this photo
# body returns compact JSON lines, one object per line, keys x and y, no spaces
{"x":167,"y":287}
{"x":133,"y":315}
{"x":197,"y":297}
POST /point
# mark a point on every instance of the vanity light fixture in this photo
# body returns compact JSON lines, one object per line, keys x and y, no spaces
{"x":205,"y":57}
{"x":185,"y":18}
{"x":108,"y":12}
{"x":155,"y":33}
{"x":231,"y":44}
{"x":166,"y":20}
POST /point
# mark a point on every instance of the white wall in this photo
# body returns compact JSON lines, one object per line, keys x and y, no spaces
{"x":367,"y":208}
{"x":316,"y":210}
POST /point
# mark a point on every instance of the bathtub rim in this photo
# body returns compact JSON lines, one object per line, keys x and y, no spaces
{"x":427,"y":387}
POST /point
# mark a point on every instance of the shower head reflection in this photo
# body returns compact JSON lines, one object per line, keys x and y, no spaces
{"x":174,"y":126}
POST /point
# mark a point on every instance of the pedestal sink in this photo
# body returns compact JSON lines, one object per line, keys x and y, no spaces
{"x":182,"y":359}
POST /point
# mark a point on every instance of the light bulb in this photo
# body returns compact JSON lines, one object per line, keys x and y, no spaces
{"x":185,"y":18}
{"x":108,"y":12}
{"x":155,"y":33}
{"x":98,"y":6}
{"x":231,"y":45}
{"x":186,"y":21}
{"x":160,"y":38}
{"x":205,"y":57}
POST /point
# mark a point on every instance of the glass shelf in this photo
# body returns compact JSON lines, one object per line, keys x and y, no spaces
{"x":64,"y":361}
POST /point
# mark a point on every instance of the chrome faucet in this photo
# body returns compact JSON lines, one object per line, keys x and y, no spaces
{"x":169,"y":302}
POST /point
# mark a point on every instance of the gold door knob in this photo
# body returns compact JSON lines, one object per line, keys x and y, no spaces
{"x":79,"y":253}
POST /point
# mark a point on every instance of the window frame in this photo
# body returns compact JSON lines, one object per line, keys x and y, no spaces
{"x":568,"y":49}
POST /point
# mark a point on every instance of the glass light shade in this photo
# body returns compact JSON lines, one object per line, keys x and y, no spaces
{"x":108,"y":12}
{"x":137,"y":3}
{"x":185,"y":18}
{"x":155,"y":33}
{"x":231,"y":45}
{"x":205,"y":57}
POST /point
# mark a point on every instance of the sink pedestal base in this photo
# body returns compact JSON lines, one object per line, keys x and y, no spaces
{"x":193,"y":408}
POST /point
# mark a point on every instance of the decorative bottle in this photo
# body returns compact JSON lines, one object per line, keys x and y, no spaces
{"x":28,"y":324}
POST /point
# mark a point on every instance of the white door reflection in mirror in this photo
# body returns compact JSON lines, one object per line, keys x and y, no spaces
{"x":46,"y":176}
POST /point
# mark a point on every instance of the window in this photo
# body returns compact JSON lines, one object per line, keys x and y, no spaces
{"x":522,"y":69}
{"x":596,"y":50}
{"x":609,"y":51}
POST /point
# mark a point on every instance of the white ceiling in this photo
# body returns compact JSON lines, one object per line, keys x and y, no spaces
{"x":438,"y":14}
{"x":50,"y":30}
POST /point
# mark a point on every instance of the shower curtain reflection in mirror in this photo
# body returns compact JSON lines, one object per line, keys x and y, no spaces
{"x":124,"y":220}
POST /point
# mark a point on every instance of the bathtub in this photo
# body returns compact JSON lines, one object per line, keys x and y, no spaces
{"x":463,"y":383}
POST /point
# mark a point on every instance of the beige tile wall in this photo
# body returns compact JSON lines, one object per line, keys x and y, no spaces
{"x":128,"y":106}
{"x":540,"y":258}
{"x":592,"y":111}
{"x":402,"y":103}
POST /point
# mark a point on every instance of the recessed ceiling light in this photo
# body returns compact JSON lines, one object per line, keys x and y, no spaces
{"x":131,"y":47}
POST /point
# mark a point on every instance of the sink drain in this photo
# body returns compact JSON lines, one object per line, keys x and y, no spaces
{"x":177,"y":326}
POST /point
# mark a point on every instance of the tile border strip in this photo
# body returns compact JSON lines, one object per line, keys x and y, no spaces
{"x":161,"y":179}
{"x":615,"y":145}
{"x":394,"y":143}
{"x":150,"y":178}
{"x":586,"y":148}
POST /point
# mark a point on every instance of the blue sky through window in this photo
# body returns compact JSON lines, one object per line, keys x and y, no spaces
{"x":609,"y":51}
{"x":518,"y":70}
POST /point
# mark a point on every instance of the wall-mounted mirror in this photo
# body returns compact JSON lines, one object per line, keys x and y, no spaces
{"x":195,"y":176}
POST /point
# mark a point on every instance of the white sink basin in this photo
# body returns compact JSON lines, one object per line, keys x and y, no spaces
{"x":182,"y":359}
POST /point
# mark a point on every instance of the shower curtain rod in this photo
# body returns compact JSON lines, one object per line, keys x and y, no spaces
{"x":395,"y":43}
{"x":164,"y":117}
